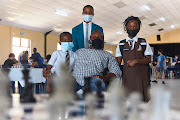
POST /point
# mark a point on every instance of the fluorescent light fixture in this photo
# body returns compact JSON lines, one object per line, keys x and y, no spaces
{"x":10,"y":18}
{"x":15,"y":14}
{"x":172,"y":26}
{"x":11,"y":7}
{"x":61,"y":12}
{"x":145,"y":7}
{"x":163,"y":18}
{"x":119,"y":32}
{"x":15,"y":1}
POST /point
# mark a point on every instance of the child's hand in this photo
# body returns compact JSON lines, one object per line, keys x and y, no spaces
{"x":131,"y":63}
{"x":46,"y":73}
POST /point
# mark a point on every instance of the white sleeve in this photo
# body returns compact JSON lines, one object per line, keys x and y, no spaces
{"x":148,"y":50}
{"x":53,"y":58}
{"x":118,"y":52}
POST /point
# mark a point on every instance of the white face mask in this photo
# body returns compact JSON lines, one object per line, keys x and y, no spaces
{"x":87,"y":18}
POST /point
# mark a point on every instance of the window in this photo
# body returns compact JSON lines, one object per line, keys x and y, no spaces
{"x":19,"y":45}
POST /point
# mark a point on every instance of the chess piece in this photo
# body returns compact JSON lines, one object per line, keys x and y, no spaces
{"x":4,"y":93}
{"x":27,"y":94}
{"x":40,"y":110}
{"x":100,"y":94}
{"x":16,"y":112}
{"x":90,"y":101}
{"x":87,"y":88}
{"x":135,"y":100}
{"x":62,"y":94}
{"x":116,"y":100}
{"x":159,"y":104}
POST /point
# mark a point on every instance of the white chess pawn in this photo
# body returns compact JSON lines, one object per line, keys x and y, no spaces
{"x":135,"y":100}
{"x":117,"y":101}
{"x":62,"y":94}
{"x":16,"y":112}
{"x":160,"y":104}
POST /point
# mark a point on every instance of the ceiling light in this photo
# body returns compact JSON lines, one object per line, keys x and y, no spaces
{"x":10,"y":18}
{"x":62,"y":12}
{"x":163,"y":18}
{"x":172,"y":26}
{"x":14,"y":14}
{"x":11,"y":7}
{"x":119,"y":32}
{"x":15,"y":1}
{"x":145,"y":7}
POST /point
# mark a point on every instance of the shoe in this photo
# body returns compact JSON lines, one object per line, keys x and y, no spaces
{"x":163,"y":82}
{"x":154,"y":81}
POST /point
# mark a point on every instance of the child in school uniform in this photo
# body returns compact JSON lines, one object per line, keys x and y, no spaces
{"x":60,"y":57}
{"x":136,"y":54}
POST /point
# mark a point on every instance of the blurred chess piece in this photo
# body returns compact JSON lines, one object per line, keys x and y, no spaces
{"x":134,"y":102}
{"x":27,"y":94}
{"x":100,"y":94}
{"x":91,"y":105}
{"x":4,"y":93}
{"x":87,"y":88}
{"x":117,"y":100}
{"x":62,"y":93}
{"x":160,"y":104}
{"x":17,"y":111}
{"x":40,"y":110}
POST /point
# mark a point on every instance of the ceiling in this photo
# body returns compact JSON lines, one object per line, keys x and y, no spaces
{"x":39,"y":15}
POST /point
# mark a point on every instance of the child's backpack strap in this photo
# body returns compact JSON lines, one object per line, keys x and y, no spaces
{"x":121,"y":46}
{"x":143,"y":44}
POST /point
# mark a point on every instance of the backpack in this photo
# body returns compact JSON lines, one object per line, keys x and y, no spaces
{"x":142,"y":43}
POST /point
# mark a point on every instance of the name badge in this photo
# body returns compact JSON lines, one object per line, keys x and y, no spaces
{"x":140,"y":48}
{"x":126,"y":49}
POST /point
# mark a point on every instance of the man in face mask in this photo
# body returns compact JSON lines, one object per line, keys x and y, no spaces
{"x":60,"y":57}
{"x":81,"y":33}
{"x":136,"y":54}
{"x":91,"y":63}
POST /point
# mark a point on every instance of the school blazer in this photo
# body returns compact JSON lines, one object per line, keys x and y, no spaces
{"x":78,"y":35}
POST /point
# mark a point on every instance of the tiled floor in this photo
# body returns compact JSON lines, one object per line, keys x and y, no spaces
{"x":173,"y":85}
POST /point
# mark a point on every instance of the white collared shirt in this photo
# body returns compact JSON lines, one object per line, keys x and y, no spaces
{"x":58,"y":58}
{"x":89,"y":30}
{"x":148,"y":50}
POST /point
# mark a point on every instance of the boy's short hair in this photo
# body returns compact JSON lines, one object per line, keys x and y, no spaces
{"x":65,"y":33}
{"x":11,"y":55}
{"x":132,"y":18}
{"x":88,"y":6}
{"x":160,"y":50}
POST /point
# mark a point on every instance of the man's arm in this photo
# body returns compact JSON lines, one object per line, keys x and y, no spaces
{"x":114,"y":69}
{"x":74,"y":40}
{"x":106,"y":77}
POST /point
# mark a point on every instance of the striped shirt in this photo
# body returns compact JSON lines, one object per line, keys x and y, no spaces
{"x":91,"y":62}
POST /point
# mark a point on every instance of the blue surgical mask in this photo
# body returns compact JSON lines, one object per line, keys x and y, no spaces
{"x":87,"y":18}
{"x":67,"y":45}
{"x":158,"y":53}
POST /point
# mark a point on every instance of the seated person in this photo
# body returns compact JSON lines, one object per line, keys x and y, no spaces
{"x":60,"y":57}
{"x":91,"y":62}
{"x":48,"y":57}
{"x":10,"y":61}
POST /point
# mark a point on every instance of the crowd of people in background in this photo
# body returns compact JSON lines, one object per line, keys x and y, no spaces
{"x":35,"y":60}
